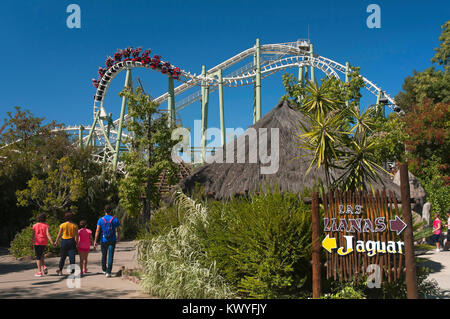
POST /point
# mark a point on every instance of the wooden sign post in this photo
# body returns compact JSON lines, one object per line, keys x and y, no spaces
{"x":316,"y":267}
{"x":364,"y":232}
{"x":411,"y":281}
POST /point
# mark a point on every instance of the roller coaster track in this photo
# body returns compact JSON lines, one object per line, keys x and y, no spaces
{"x":275,"y":58}
{"x":299,"y":57}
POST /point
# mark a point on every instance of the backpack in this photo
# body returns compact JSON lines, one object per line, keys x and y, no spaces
{"x":108,"y":230}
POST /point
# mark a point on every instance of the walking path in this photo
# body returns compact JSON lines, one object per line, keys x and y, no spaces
{"x":439,"y":263}
{"x":17,"y":278}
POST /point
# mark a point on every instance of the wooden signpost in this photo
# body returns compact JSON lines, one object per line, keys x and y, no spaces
{"x":363,"y":230}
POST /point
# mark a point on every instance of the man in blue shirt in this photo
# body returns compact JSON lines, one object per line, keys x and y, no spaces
{"x":109,"y":226}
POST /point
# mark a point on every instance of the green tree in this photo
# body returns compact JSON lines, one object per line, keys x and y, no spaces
{"x":431,"y":83}
{"x":324,"y":139}
{"x":434,"y":183}
{"x":149,"y":157}
{"x":337,"y":134}
{"x":428,"y":135}
{"x":57,"y":192}
{"x":392,"y":138}
{"x":28,"y":147}
{"x":442,"y":55}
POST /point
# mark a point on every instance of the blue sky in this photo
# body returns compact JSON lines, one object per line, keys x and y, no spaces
{"x":47,"y":67}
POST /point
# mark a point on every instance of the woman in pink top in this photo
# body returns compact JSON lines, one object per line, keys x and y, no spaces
{"x":40,"y":239}
{"x":436,"y":231}
{"x":84,"y":245}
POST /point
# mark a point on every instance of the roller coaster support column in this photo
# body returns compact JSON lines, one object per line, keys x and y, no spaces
{"x":257,"y":82}
{"x":205,"y":97}
{"x":301,"y":72}
{"x":379,"y":97}
{"x":301,"y":80}
{"x":171,"y":103}
{"x":108,"y":130}
{"x":80,"y":135}
{"x":93,"y":128}
{"x":311,"y":54}
{"x":122,"y":115}
{"x":347,"y":69}
{"x":222,"y":120}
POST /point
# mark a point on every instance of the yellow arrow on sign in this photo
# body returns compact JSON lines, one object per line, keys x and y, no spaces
{"x":329,"y":243}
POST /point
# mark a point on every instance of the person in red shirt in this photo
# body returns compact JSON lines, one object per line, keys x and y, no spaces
{"x":437,"y":231}
{"x":40,"y":239}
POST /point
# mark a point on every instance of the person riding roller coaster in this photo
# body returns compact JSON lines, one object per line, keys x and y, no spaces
{"x":101,"y":71}
{"x":165,"y":67}
{"x":95,"y":83}
{"x":176,"y":73}
{"x":126,"y":53}
{"x":135,"y":53}
{"x":109,"y":62}
{"x":145,"y":59}
{"x":117,"y":56}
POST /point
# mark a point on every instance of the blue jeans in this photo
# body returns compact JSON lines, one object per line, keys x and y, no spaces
{"x":68,"y":248}
{"x":108,"y":253}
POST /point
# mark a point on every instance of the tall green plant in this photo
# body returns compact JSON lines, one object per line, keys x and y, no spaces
{"x":337,"y":134}
{"x":58,"y":191}
{"x":175,"y":264}
{"x":261,"y":245}
{"x":324,"y":139}
{"x":150,"y":154}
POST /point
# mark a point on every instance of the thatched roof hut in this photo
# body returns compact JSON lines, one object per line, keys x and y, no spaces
{"x":223,"y":180}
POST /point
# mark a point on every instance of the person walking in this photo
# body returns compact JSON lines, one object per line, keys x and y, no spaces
{"x":437,"y":231}
{"x":69,"y":233}
{"x":84,"y":245}
{"x":41,"y":237}
{"x":109,"y":225}
{"x":448,"y":231}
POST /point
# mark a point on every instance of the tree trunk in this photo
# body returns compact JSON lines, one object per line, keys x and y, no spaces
{"x":148,"y":206}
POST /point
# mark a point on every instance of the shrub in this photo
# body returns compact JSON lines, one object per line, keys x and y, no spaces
{"x":161,"y":222}
{"x":261,"y":245}
{"x":21,"y":245}
{"x":393,"y":290}
{"x":347,"y":292}
{"x":129,"y":226}
{"x":174,"y":263}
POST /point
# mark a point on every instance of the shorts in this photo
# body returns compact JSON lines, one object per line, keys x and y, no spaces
{"x":39,"y":250}
{"x":435,"y":238}
{"x":83,"y":249}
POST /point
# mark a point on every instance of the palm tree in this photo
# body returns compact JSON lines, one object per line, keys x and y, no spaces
{"x":324,"y":139}
{"x":339,"y":136}
{"x":359,"y":163}
{"x":319,"y":100}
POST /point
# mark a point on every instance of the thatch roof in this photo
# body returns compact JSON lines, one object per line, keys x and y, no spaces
{"x":225,"y":180}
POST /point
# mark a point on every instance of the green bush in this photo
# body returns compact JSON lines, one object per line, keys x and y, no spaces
{"x":162,"y":221}
{"x":174,"y":263}
{"x":261,"y":245}
{"x":129,"y":226}
{"x":393,"y":290}
{"x":21,"y":245}
{"x":347,"y":292}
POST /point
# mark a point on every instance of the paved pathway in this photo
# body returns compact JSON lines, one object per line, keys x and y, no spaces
{"x":17,"y":278}
{"x":439,"y":263}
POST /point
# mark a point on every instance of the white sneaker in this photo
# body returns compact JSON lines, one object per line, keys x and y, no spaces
{"x":108,"y":275}
{"x":438,"y":250}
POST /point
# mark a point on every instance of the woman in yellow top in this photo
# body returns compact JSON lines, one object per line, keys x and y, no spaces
{"x":69,"y":233}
